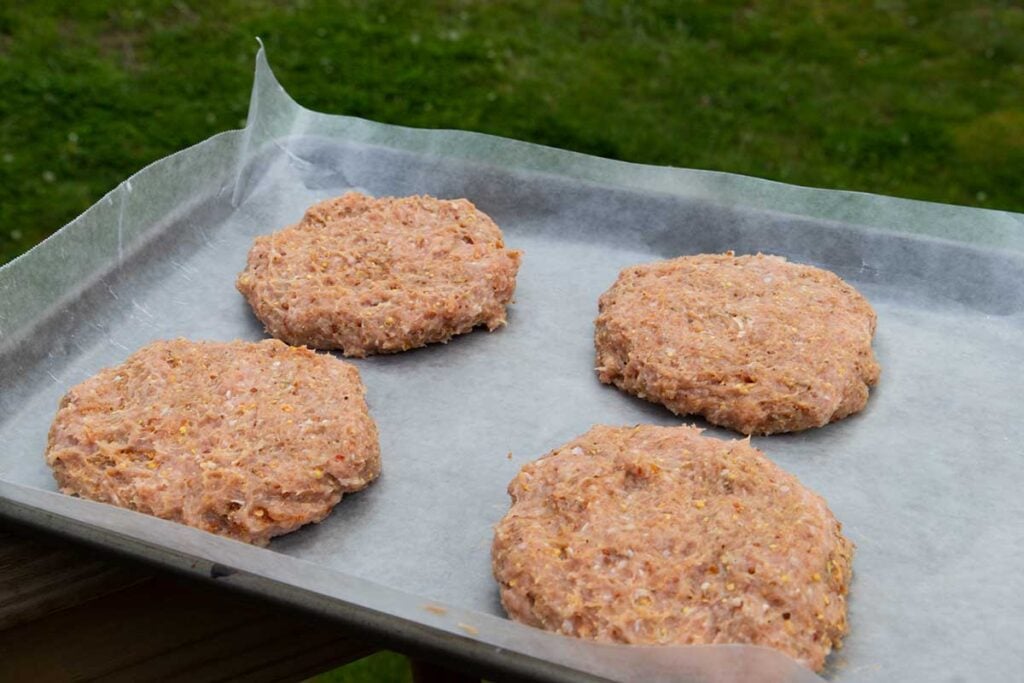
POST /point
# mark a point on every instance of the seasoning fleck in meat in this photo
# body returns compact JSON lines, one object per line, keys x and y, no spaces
{"x":368,"y":276}
{"x":658,"y":535}
{"x":753,"y":343}
{"x":246,"y":440}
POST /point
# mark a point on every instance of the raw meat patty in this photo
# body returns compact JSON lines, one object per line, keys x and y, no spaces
{"x":658,"y":535}
{"x":369,"y":276}
{"x":246,"y":440}
{"x":753,"y":343}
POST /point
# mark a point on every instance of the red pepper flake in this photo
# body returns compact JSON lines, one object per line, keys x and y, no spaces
{"x":340,"y":457}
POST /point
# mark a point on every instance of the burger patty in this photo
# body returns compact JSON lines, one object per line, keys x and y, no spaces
{"x":753,"y":343}
{"x":246,"y":440}
{"x":368,"y":276}
{"x":658,"y":535}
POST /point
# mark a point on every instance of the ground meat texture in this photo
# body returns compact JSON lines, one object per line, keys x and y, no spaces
{"x":368,"y":276}
{"x":658,"y":535}
{"x":246,"y":440}
{"x":753,"y":343}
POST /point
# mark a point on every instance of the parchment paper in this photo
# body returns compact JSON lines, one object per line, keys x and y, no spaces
{"x":925,"y":480}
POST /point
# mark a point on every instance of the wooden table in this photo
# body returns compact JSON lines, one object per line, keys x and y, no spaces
{"x":69,"y":612}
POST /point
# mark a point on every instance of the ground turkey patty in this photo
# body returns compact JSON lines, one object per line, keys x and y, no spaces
{"x":753,"y":343}
{"x":658,"y":535}
{"x":367,"y":275}
{"x":247,"y":440}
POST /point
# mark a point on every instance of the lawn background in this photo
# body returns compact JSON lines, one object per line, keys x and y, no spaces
{"x":909,"y":98}
{"x":921,"y":99}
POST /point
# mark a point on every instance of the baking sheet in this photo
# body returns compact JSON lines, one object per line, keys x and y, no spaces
{"x":925,"y":480}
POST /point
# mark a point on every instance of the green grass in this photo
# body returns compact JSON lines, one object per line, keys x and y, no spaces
{"x":383,"y":667}
{"x":916,"y":99}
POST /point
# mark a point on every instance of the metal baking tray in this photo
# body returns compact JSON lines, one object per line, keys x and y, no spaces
{"x":926,"y":480}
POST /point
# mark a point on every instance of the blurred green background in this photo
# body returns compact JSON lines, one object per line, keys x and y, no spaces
{"x":921,"y":99}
